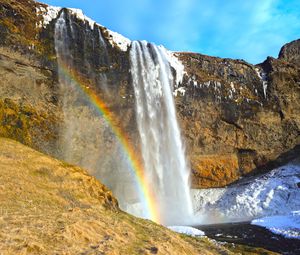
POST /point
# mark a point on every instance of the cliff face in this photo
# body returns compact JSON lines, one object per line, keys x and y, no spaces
{"x":236,"y":118}
{"x":291,"y":52}
{"x":239,"y":118}
{"x":29,"y":72}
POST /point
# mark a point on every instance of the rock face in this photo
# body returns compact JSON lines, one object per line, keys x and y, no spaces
{"x":291,"y":52}
{"x":237,"y":118}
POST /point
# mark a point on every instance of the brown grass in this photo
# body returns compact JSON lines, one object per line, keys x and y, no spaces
{"x":48,"y":207}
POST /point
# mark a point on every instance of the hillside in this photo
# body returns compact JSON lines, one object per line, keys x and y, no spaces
{"x":50,"y":207}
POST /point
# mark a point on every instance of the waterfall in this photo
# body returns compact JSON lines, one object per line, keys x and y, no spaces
{"x":80,"y":134}
{"x":162,"y":149}
{"x":86,"y":139}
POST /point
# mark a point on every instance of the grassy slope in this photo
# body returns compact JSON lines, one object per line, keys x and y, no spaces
{"x":50,"y":207}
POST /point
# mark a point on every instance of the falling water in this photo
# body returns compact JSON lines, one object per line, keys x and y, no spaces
{"x":162,"y":149}
{"x":84,"y":134}
{"x":85,"y":138}
{"x":77,"y":142}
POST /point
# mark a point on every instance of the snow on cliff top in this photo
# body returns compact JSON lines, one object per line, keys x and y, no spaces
{"x":51,"y":12}
{"x":79,"y":15}
{"x":115,"y":39}
{"x":177,"y":65}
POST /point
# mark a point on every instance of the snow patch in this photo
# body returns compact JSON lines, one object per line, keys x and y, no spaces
{"x":49,"y":13}
{"x":116,"y":39}
{"x":187,"y":230}
{"x":180,"y":90}
{"x":286,"y":225}
{"x":215,"y":84}
{"x":80,"y":15}
{"x":177,"y":65}
{"x":193,"y":82}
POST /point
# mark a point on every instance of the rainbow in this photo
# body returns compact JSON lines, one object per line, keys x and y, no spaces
{"x":136,"y":165}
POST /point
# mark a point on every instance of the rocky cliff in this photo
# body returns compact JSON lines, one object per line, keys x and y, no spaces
{"x":239,"y":118}
{"x":236,"y":118}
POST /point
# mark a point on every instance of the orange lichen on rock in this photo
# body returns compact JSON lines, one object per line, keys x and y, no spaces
{"x":214,"y":170}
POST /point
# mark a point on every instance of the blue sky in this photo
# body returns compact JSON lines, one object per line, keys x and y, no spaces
{"x":245,"y":29}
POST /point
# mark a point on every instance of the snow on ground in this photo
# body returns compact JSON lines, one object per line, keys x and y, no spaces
{"x":286,"y":225}
{"x":274,"y":193}
{"x":187,"y":230}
